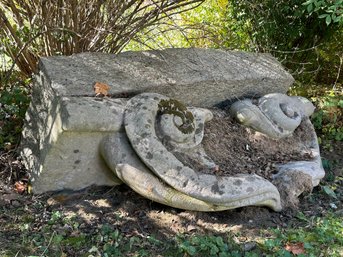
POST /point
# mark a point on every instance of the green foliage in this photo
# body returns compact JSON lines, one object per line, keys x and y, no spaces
{"x":294,"y":31}
{"x":210,"y":25}
{"x":297,"y":34}
{"x":328,"y":190}
{"x":206,"y":246}
{"x":320,"y":236}
{"x":280,"y":26}
{"x":328,"y":120}
{"x":331,"y":11}
{"x":62,"y":236}
{"x":328,"y":116}
{"x":13,"y":102}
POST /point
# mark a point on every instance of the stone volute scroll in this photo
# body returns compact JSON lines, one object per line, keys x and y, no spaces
{"x":276,"y":115}
{"x":155,"y":145}
{"x":163,"y":138}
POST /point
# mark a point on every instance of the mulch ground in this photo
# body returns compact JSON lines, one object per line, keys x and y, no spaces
{"x":240,"y":150}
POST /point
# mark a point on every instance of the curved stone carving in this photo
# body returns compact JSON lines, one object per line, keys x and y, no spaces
{"x":276,"y":115}
{"x":161,"y":134}
{"x":313,"y":168}
{"x":129,"y":168}
{"x":140,"y":121}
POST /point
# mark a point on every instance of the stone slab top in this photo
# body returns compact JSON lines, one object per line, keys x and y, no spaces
{"x":199,"y":77}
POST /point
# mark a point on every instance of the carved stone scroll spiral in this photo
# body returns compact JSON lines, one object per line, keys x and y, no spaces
{"x":276,"y":115}
{"x":140,"y":125}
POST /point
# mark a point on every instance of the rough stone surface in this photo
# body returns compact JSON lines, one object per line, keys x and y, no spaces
{"x":92,"y":114}
{"x":55,"y":126}
{"x":73,"y":164}
{"x":66,"y":123}
{"x":313,"y":168}
{"x":140,"y":121}
{"x":131,"y":170}
{"x":197,"y":77}
{"x":275,"y":115}
{"x":63,"y":97}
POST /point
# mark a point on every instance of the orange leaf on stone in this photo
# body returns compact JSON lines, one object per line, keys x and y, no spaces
{"x":101,"y":89}
{"x":20,"y":187}
{"x":295,"y":248}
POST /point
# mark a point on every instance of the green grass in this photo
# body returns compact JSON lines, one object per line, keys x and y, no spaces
{"x":321,"y":236}
{"x":61,"y":236}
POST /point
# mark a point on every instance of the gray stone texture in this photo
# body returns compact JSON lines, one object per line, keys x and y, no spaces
{"x":313,"y":168}
{"x":131,"y":170}
{"x":73,"y":163}
{"x":196,"y":77}
{"x":140,"y":119}
{"x":56,"y":126}
{"x":275,"y":115}
{"x":65,"y":116}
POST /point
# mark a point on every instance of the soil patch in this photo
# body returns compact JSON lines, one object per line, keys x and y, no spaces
{"x":240,"y":150}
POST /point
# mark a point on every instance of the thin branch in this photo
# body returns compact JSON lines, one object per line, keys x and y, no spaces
{"x":339,"y":71}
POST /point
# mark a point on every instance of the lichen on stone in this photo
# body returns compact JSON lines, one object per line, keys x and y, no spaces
{"x":174,"y":107}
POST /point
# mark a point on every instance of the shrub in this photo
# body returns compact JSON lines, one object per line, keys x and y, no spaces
{"x":298,"y":33}
{"x":30,"y":29}
{"x":13,"y":104}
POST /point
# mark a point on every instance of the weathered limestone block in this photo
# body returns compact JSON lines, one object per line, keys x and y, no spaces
{"x":73,"y":139}
{"x":196,"y":77}
{"x":61,"y":138}
{"x":64,"y":110}
{"x":72,"y":163}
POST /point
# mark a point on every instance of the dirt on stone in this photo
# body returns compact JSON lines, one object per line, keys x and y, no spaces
{"x":237,"y":149}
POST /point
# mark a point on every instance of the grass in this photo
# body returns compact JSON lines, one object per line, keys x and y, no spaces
{"x":61,"y":236}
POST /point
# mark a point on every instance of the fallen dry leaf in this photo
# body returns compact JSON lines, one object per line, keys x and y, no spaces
{"x":101,"y":89}
{"x":295,"y":248}
{"x":20,"y":187}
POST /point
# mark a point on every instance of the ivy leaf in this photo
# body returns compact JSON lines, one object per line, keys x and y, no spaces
{"x":329,"y":192}
{"x":308,"y":2}
{"x":328,"y":20}
{"x":309,"y":8}
{"x":323,"y":16}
